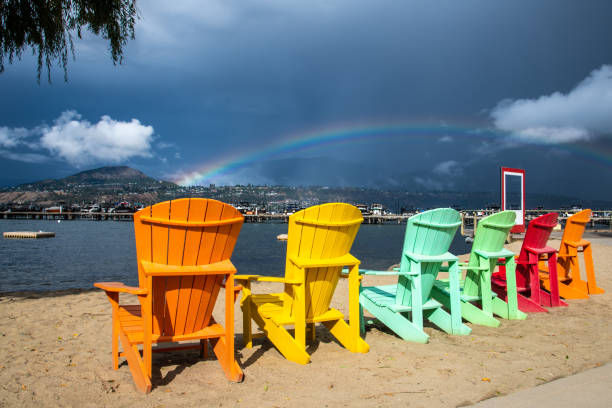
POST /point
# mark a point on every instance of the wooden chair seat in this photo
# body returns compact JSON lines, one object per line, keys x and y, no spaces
{"x":385,"y":296}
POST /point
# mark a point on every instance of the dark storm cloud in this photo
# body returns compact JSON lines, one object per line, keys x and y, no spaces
{"x":215,"y":77}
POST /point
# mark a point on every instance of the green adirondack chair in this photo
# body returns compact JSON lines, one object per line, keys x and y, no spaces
{"x":487,"y":250}
{"x":426,"y":243}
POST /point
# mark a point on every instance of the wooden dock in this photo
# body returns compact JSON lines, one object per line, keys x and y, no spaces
{"x":28,"y":234}
{"x":470,"y":218}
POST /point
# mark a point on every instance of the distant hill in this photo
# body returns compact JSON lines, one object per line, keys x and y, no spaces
{"x":102,"y":185}
{"x":115,"y":176}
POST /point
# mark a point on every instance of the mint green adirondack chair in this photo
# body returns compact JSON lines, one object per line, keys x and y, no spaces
{"x":426,"y":243}
{"x":487,"y":250}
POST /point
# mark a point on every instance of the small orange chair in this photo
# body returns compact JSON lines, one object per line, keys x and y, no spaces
{"x":571,"y":286}
{"x":183,"y":248}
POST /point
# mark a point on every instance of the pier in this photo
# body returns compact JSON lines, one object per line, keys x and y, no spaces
{"x":469,"y":218}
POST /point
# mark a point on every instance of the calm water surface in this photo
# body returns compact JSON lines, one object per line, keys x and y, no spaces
{"x":84,"y":252}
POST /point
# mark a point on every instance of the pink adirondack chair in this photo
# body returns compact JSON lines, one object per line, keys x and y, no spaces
{"x":531,"y":297}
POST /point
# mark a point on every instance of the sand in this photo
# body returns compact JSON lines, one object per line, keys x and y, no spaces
{"x":56,"y":352}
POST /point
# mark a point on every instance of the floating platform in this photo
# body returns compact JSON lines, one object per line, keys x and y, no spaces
{"x":28,"y":234}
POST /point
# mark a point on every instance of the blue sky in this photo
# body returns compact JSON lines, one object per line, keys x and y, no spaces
{"x":229,"y":91}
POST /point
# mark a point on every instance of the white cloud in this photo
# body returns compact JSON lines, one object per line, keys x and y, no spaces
{"x":165,"y":145}
{"x":447,"y":168}
{"x":445,"y":139}
{"x":10,"y":138}
{"x":553,"y":135}
{"x":24,"y":157}
{"x":583,"y":113}
{"x":80,"y":142}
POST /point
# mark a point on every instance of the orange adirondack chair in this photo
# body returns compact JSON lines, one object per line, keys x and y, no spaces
{"x":571,"y":286}
{"x":183,"y":248}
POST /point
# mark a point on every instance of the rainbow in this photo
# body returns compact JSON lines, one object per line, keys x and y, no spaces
{"x":353,"y":133}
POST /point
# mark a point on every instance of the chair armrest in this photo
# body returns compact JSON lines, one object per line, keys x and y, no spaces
{"x":446,"y":257}
{"x":502,"y":261}
{"x":465,"y":265}
{"x":346,"y":260}
{"x":119,"y":287}
{"x":237,"y":288}
{"x":259,"y":278}
{"x":385,"y":273}
{"x":217,"y":268}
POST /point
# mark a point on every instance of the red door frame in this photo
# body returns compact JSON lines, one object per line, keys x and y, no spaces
{"x":504,"y":170}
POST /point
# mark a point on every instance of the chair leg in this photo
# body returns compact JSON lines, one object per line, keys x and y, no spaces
{"x":362,"y":329}
{"x":204,"y":349}
{"x":576,"y":281}
{"x":225,"y":355}
{"x":115,"y":342}
{"x":509,"y":310}
{"x":282,"y":340}
{"x":137,"y":367}
{"x":486,"y":294}
{"x":554,"y":299}
{"x":533,"y":303}
{"x":345,"y":334}
{"x":527,"y":305}
{"x":457,"y":326}
{"x":566,"y":291}
{"x":247,"y":333}
{"x":311,"y":332}
{"x":469,"y":312}
{"x":443,"y":320}
{"x":300,"y":316}
{"x":416,"y":298}
{"x":113,"y":298}
{"x":396,"y":322}
{"x":590,"y":271}
{"x":549,"y":301}
{"x":355,"y":309}
{"x":534,"y":278}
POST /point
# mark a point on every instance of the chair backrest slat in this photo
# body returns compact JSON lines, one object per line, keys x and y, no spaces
{"x":175,"y":303}
{"x":198,"y":232}
{"x":197,"y":212}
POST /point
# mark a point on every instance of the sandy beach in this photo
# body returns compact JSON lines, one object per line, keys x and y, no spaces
{"x":56,"y":351}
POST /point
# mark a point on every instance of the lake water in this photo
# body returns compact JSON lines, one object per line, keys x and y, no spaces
{"x":84,"y":252}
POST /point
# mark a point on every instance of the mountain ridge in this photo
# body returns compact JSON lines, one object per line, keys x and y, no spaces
{"x":107,"y":175}
{"x":112,"y":184}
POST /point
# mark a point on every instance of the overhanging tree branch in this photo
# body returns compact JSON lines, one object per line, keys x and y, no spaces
{"x":47,"y":27}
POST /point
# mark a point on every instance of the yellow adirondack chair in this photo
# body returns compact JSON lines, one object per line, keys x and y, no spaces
{"x":318,"y":245}
{"x":183,"y":248}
